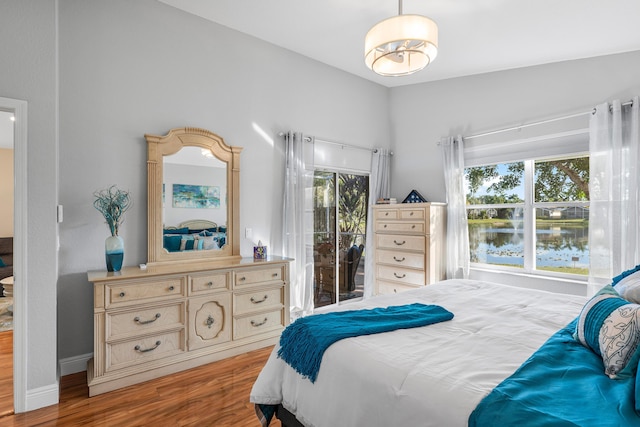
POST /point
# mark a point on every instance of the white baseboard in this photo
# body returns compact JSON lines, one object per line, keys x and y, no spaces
{"x":41,"y":397}
{"x":75,"y":364}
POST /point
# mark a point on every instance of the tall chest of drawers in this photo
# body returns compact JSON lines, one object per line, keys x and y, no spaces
{"x":409,"y":245}
{"x":165,"y":319}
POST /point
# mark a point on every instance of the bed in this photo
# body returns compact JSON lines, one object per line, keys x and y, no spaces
{"x":438,"y":375}
{"x":193,"y":235}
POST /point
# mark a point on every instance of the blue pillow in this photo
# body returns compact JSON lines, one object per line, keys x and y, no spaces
{"x":222,"y":229}
{"x":183,"y":230}
{"x":171,"y":242}
{"x":2,"y":264}
{"x":610,"y":326}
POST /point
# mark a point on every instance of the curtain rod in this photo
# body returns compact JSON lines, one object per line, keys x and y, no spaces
{"x":570,"y":116}
{"x":342,"y":144}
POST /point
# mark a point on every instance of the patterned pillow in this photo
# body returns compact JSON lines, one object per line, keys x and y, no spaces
{"x":628,"y":285}
{"x":610,"y":326}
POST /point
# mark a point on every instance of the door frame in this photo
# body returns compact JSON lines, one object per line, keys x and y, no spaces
{"x":19,"y":109}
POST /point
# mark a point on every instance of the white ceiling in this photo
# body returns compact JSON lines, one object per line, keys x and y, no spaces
{"x":475,"y":36}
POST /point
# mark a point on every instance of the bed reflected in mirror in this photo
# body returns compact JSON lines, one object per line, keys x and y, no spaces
{"x":194,"y":206}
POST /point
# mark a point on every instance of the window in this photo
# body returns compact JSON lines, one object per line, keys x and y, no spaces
{"x":530,"y":215}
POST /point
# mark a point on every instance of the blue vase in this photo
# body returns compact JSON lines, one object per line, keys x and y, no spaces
{"x":114,"y":252}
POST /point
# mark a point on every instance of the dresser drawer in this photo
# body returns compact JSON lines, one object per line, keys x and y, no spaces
{"x":400,"y":258}
{"x":262,"y":299}
{"x":209,"y":282}
{"x":140,"y":321}
{"x":122,"y":354}
{"x":122,"y":294}
{"x":401,"y":227}
{"x":258,"y":324}
{"x":402,"y":242}
{"x":418,"y":213}
{"x":393,"y":288}
{"x":402,"y":275}
{"x":258,"y":275}
{"x":387,"y":213}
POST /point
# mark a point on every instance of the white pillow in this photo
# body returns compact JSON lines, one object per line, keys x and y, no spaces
{"x":209,"y":242}
{"x":629,"y":288}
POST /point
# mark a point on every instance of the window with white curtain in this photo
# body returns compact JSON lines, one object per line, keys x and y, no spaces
{"x":528,"y":204}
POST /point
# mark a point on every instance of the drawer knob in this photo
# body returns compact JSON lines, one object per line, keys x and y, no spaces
{"x":144,"y":322}
{"x":121,"y":294}
{"x":274,"y":275}
{"x":398,"y":260}
{"x":398,"y":276}
{"x":210,"y":320}
{"x":386,"y":214}
{"x":413,"y":226}
{"x":242,"y":278}
{"x":256,"y":324}
{"x":144,"y":350}
{"x":171,"y":288}
{"x":410,"y":213}
{"x":399,"y":243}
{"x":210,"y":284}
{"x":255,"y":301}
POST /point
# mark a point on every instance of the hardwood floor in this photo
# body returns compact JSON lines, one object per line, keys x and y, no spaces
{"x":216,"y":394}
{"x":6,"y":373}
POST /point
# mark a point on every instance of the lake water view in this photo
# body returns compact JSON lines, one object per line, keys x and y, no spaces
{"x":560,"y":245}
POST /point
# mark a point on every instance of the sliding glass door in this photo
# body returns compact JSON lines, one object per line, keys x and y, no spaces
{"x":340,"y":220}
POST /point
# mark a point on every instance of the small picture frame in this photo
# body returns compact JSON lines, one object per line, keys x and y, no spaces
{"x":414,"y":197}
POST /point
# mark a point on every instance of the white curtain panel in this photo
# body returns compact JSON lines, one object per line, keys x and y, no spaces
{"x":379,"y":187}
{"x":298,"y":222}
{"x":614,"y":182}
{"x":457,"y":255}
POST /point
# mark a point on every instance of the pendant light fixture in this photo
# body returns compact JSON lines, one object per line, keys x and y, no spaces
{"x":401,"y":45}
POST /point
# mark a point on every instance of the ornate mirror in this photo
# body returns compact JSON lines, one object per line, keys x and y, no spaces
{"x":193,"y":197}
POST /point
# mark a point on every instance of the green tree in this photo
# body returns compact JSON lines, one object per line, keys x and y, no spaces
{"x":555,"y":181}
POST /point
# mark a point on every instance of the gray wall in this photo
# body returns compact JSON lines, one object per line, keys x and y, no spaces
{"x":160,"y":68}
{"x":28,"y":72}
{"x":422,"y":114}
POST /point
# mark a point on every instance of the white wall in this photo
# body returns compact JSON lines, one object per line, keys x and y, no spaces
{"x":159,"y":68}
{"x":27,"y":55}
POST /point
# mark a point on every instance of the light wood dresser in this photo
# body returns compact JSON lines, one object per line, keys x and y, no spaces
{"x":168,"y":318}
{"x":409,"y":245}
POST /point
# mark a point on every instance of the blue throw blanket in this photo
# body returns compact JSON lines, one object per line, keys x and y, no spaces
{"x":303,"y":343}
{"x":562,"y":384}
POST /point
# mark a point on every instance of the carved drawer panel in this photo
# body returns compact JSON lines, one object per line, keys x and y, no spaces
{"x":401,"y":227}
{"x":121,"y":354}
{"x":257,"y":275}
{"x":403,"y":275}
{"x":262,"y":299}
{"x":400,"y":258}
{"x":143,"y":320}
{"x":258,"y":324}
{"x":406,"y":243}
{"x":209,"y":320}
{"x":122,"y":294}
{"x":209,"y":282}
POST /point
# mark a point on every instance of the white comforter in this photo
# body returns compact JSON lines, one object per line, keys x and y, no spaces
{"x":429,"y":376}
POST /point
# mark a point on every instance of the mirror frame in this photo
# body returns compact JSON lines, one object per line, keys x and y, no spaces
{"x":171,"y":143}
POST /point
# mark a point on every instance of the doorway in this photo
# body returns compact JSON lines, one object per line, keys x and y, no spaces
{"x":19,"y":343}
{"x":340,"y":222}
